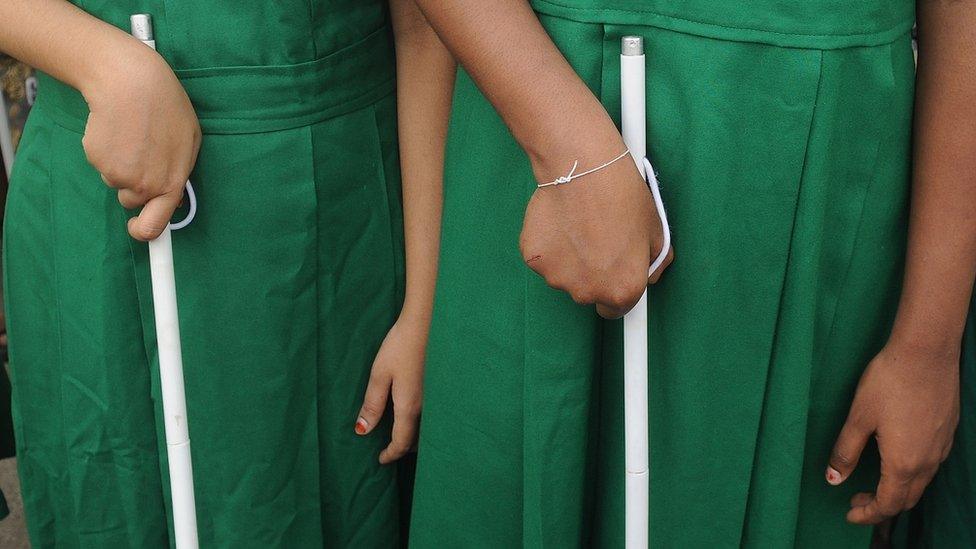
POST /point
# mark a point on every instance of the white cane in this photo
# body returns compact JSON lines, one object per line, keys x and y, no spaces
{"x":171,"y":357}
{"x":633,"y":125}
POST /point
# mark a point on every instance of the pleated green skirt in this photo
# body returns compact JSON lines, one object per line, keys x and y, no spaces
{"x":785,"y":171}
{"x":288,"y":279}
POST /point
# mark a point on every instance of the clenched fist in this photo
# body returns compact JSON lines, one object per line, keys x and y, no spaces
{"x":142,"y":136}
{"x":596,"y":236}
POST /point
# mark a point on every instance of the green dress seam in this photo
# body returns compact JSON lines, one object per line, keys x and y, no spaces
{"x":58,"y":309}
{"x":384,"y":179}
{"x":809,"y":373}
{"x":858,"y":230}
{"x":624,"y":17}
{"x":319,"y":419}
{"x":66,"y":121}
{"x":779,"y":309}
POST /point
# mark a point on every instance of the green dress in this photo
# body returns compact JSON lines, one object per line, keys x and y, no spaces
{"x":781,"y":133}
{"x":288,"y":279}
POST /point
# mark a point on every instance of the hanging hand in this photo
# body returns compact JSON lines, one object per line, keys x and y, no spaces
{"x":398,"y":372}
{"x":908,"y":399}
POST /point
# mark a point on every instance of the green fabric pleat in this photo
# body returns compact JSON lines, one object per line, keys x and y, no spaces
{"x":785,"y":172}
{"x":945,"y":518}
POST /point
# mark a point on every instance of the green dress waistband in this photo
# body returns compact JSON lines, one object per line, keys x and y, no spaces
{"x":815,"y":24}
{"x":255,"y":99}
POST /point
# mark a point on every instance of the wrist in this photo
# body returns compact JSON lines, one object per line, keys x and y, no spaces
{"x":415,"y":317}
{"x":943,"y":348}
{"x":601,"y":148}
{"x":120,"y":61}
{"x":590,"y":138}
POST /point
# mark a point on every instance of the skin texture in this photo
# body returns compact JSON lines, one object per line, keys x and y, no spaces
{"x":142,"y":134}
{"x":908,"y":397}
{"x":595,"y":237}
{"x":425,"y":84}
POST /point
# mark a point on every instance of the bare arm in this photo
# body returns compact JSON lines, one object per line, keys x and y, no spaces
{"x":941,"y":263}
{"x":593,"y":238}
{"x":909,"y":395}
{"x":425,"y":84}
{"x":46,"y":34}
{"x":525,"y":77}
{"x":142,"y":134}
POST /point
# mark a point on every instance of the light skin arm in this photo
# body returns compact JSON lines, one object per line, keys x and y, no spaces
{"x":142,"y":134}
{"x":45,"y":34}
{"x":908,"y":397}
{"x":593,"y":238}
{"x":425,"y":84}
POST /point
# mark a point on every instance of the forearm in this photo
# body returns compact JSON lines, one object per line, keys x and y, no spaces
{"x":63,"y":41}
{"x":941,"y":262}
{"x":549,"y":110}
{"x":425,"y":84}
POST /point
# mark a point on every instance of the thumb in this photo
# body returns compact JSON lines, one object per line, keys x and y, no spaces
{"x":656,"y":275}
{"x":847,"y":451}
{"x":608,"y":313}
{"x":154,"y":217}
{"x":374,"y":403}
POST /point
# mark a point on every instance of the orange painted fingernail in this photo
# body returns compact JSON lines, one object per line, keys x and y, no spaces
{"x":833,"y":476}
{"x":361,"y":426}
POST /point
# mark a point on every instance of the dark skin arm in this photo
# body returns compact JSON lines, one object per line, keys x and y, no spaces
{"x":593,"y":238}
{"x":908,"y":397}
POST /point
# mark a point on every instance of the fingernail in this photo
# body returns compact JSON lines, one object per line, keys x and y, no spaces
{"x":833,"y":476}
{"x":361,"y":426}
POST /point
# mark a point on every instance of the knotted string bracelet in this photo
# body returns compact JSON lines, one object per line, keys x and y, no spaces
{"x":573,"y":175}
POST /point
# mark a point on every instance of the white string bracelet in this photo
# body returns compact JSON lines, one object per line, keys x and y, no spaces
{"x":573,"y":175}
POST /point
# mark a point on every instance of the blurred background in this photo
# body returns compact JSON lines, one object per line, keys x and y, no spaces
{"x":17,"y":88}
